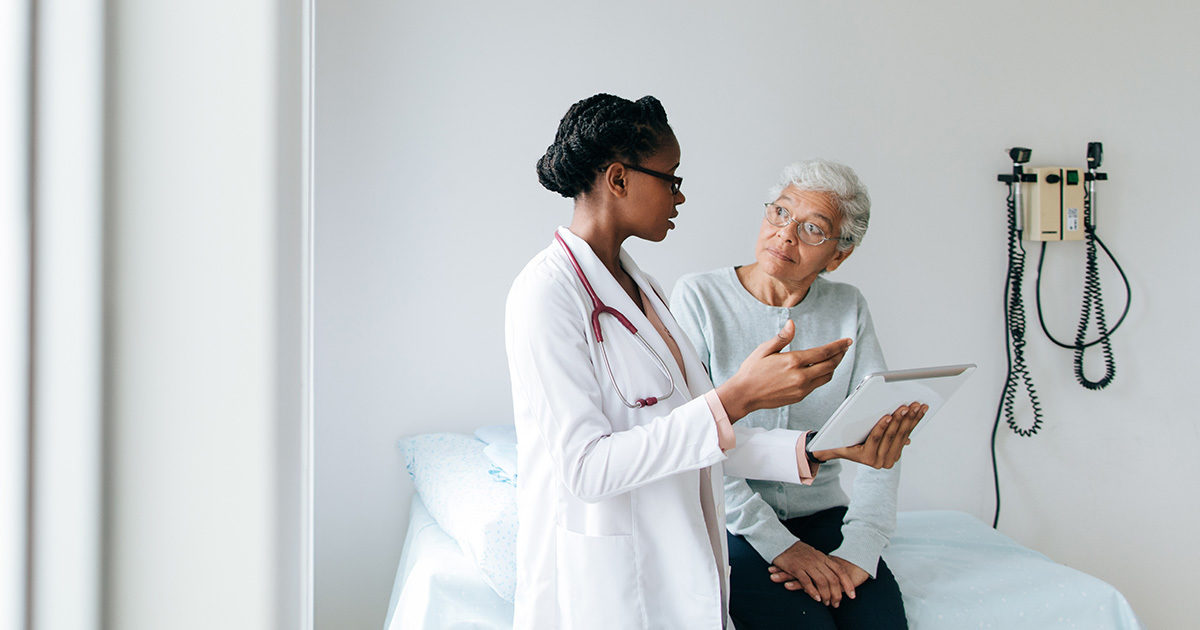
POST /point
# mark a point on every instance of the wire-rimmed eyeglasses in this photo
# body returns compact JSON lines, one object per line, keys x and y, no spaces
{"x":676,"y":181}
{"x":808,"y":232}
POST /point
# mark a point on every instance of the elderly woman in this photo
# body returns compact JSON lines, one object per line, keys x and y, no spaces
{"x":795,"y":550}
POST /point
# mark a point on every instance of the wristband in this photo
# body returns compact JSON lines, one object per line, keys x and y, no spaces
{"x":807,"y":453}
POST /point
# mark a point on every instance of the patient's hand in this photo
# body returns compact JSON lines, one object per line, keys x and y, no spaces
{"x":851,"y":575}
{"x":887,"y":439}
{"x":856,"y":574}
{"x":821,"y":576}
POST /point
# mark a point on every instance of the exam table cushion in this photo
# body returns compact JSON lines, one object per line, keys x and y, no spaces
{"x":459,"y":560}
{"x":954,"y":572}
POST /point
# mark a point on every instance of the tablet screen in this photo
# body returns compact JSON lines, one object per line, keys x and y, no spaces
{"x":882,"y":393}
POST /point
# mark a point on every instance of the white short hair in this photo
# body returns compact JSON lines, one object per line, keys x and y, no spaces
{"x":849,"y":194}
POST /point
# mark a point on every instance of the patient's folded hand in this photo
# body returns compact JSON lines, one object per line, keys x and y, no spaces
{"x":802,"y":567}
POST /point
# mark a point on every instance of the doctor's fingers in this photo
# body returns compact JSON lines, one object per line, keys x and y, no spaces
{"x":808,"y":377}
{"x":778,"y":342}
{"x":811,"y":356}
{"x":822,"y":372}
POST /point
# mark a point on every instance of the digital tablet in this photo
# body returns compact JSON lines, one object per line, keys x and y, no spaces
{"x":881,"y":393}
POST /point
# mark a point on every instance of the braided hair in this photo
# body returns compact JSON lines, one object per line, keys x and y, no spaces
{"x":594,"y":133}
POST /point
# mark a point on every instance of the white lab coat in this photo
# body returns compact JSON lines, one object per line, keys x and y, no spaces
{"x":612,"y":532}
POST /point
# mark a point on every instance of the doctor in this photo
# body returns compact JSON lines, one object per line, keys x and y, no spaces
{"x":620,"y":433}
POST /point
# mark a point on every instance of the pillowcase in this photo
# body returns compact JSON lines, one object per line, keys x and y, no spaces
{"x":503,"y":455}
{"x":471,"y":498}
{"x":497,"y":434}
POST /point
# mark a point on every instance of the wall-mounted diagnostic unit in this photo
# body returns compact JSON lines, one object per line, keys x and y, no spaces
{"x":1048,"y":204}
{"x":1054,"y":204}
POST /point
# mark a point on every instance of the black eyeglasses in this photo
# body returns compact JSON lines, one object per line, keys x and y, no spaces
{"x":676,"y":182}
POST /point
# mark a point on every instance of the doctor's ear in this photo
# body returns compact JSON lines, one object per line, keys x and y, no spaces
{"x":614,"y":179}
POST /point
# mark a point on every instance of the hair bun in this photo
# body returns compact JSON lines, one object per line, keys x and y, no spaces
{"x":595,"y":132}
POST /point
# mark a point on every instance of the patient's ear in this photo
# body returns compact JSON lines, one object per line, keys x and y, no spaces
{"x":838,"y":259}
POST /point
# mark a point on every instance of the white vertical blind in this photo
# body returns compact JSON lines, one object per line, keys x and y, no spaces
{"x":293,"y":350}
{"x":14,"y":307}
{"x":154,"y":299}
{"x":67,"y":275}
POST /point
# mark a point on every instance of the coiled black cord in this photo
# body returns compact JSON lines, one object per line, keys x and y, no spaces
{"x":1092,"y":295}
{"x":1091,"y":301}
{"x":1014,"y":335}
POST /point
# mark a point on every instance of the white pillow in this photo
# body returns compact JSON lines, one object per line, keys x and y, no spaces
{"x":471,"y":498}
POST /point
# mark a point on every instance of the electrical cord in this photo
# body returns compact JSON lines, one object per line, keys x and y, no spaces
{"x":1017,"y":373}
{"x":1014,"y":320}
{"x":1091,"y":301}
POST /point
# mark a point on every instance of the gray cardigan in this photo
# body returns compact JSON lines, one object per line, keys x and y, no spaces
{"x":725,"y":323}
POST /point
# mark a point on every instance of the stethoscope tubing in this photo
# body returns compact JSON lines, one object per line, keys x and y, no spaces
{"x":600,"y":308}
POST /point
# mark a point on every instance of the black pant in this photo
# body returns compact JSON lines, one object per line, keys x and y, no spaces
{"x":757,"y":603}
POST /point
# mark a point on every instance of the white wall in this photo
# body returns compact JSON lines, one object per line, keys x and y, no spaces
{"x":430,"y":118}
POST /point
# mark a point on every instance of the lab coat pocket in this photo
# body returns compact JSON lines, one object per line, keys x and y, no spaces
{"x":610,"y":517}
{"x":597,"y":580}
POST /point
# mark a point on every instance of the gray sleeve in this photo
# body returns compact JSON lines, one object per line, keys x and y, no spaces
{"x":689,"y":314}
{"x":871,"y":517}
{"x":746,"y":513}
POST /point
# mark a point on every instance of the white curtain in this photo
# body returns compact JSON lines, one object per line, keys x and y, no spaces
{"x":154,"y":292}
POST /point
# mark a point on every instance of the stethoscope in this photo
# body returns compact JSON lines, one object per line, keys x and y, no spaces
{"x":599,"y":308}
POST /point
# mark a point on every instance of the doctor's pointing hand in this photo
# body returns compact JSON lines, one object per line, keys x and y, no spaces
{"x":622,"y":439}
{"x":774,"y":378}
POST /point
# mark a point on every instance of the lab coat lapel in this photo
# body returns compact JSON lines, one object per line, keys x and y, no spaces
{"x":603,"y":283}
{"x":614,"y":295}
{"x":698,"y":384}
